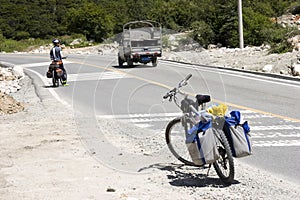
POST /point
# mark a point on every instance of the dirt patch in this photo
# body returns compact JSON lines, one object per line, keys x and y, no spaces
{"x":8,"y":105}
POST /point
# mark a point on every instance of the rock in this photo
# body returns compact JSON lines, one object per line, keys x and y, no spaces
{"x":295,"y":69}
{"x":9,"y":78}
{"x":212,"y":46}
{"x":267,"y":68}
{"x":294,"y":40}
{"x":285,"y":72}
{"x":110,"y":189}
{"x":76,"y":42}
{"x":18,"y":72}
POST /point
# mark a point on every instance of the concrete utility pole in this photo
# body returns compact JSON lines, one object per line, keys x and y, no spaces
{"x":241,"y":24}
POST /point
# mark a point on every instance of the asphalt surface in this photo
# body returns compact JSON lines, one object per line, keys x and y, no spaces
{"x":99,"y":89}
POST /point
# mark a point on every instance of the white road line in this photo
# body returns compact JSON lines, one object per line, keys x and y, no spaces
{"x":39,"y":64}
{"x":248,"y":115}
{"x":253,"y":116}
{"x":276,"y":143}
{"x":273,"y":135}
{"x":259,"y":139}
{"x":81,"y":76}
{"x":148,"y":120}
{"x":155,"y":117}
{"x":146,"y":115}
{"x":143,"y":125}
{"x":247,"y":112}
{"x":51,"y":90}
{"x":275,"y":127}
{"x":238,"y":74}
{"x":95,"y":76}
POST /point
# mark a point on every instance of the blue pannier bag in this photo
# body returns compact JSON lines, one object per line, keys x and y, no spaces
{"x":201,"y":143}
{"x":237,"y":135}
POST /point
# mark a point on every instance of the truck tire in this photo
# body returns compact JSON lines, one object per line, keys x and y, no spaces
{"x":154,"y":62}
{"x":129,"y":62}
{"x":120,"y":61}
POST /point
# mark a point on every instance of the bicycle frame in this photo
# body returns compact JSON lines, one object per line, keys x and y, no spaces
{"x":57,"y":73}
{"x":187,"y":106}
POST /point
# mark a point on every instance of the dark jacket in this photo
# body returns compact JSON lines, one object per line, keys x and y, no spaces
{"x":56,"y":54}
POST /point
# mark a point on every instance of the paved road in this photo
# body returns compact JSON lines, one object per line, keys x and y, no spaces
{"x":133,"y":96}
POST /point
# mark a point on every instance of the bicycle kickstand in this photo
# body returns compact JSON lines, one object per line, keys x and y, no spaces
{"x":208,"y":169}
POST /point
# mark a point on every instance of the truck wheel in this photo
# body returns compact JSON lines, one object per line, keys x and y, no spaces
{"x":129,"y":62}
{"x":120,"y":61}
{"x":154,"y":62}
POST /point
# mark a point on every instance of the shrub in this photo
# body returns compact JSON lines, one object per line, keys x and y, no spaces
{"x":202,"y":33}
{"x":279,"y":39}
{"x":21,"y":35}
{"x":295,"y":10}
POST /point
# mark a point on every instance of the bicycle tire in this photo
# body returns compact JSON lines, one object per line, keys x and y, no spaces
{"x":175,"y":138}
{"x":224,"y":166}
{"x":120,"y":61}
{"x":55,"y":80}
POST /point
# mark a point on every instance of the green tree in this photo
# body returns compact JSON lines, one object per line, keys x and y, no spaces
{"x":210,"y":21}
{"x":202,"y":33}
{"x":92,"y":20}
{"x":255,"y":26}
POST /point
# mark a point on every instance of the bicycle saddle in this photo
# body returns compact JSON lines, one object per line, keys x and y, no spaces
{"x":201,"y":99}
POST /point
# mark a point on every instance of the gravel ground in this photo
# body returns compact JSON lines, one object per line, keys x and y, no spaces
{"x":43,"y":156}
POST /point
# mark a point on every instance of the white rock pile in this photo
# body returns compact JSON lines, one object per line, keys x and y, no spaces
{"x":10,"y":77}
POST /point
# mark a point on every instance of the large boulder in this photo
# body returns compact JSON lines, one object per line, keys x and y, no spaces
{"x":295,"y":69}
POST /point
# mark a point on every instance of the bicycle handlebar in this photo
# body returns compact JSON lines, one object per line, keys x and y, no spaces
{"x":184,"y":81}
{"x":203,"y":114}
{"x":170,"y":93}
{"x":174,"y":91}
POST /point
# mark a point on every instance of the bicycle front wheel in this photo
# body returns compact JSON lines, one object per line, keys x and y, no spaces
{"x":224,"y":166}
{"x":175,"y":137}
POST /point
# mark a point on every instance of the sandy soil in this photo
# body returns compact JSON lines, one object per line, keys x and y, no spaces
{"x":42,"y":156}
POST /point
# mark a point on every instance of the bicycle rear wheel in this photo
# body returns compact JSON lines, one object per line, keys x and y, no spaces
{"x":175,"y":138}
{"x":224,"y":166}
{"x":55,"y":81}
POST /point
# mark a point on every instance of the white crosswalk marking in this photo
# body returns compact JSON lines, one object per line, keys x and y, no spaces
{"x":252,"y":116}
{"x":82,"y":76}
{"x":274,"y":135}
{"x":275,"y":132}
{"x":276,"y":143}
{"x":141,"y":115}
{"x":275,"y":127}
{"x":39,"y":64}
{"x":95,"y":76}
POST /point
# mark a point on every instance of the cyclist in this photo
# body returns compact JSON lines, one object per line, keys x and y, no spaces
{"x":57,"y":56}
